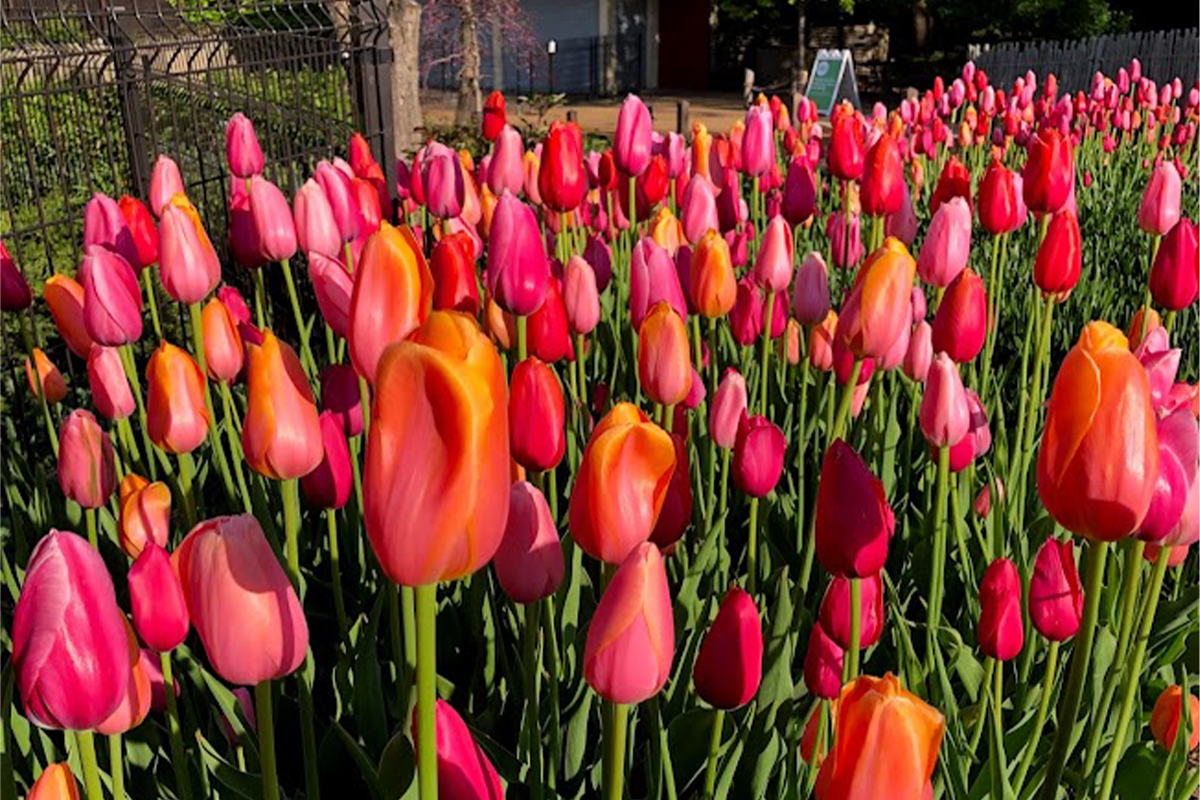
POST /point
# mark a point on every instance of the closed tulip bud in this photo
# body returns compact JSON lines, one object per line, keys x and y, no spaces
{"x":549,"y":334}
{"x":1055,"y":595}
{"x":728,"y":409}
{"x":145,"y":514}
{"x":532,"y":165}
{"x":562,"y":180}
{"x":495,"y":118}
{"x":976,"y":441}
{"x":87,"y":469}
{"x":631,"y":640}
{"x":160,"y":612}
{"x":55,"y":783}
{"x":886,"y":746}
{"x":441,"y":391}
{"x":847,"y":148}
{"x":316,"y":229}
{"x":463,"y":769}
{"x":621,"y":484}
{"x":631,"y":145}
{"x":666,"y":231}
{"x":1166,"y":716}
{"x":242,"y":153}
{"x":676,"y":512}
{"x":452,"y":266}
{"x":747,"y":317}
{"x":1060,"y":255}
{"x":758,"y":456}
{"x":273,"y":220}
{"x":820,"y":343}
{"x":580,"y":296}
{"x":1049,"y":172}
{"x":712,"y":283}
{"x":1098,"y":460}
{"x":883,"y":178}
{"x":366,"y":195}
{"x":1172,"y":509}
{"x":104,"y":226}
{"x":529,"y":563}
{"x":334,"y":288}
{"x":960,"y":324}
{"x":955,"y":181}
{"x":810,"y":292}
{"x":920,"y":352}
{"x":142,"y":229}
{"x":823,"y":664}
{"x":947,"y":244}
{"x":393,"y":295}
{"x":15,"y":294}
{"x":70,"y":651}
{"x":187,"y":264}
{"x":799,"y":192}
{"x":652,"y":279}
{"x":879,"y":307}
{"x":442,"y":181}
{"x":699,"y":209}
{"x":1159,"y":211}
{"x":664,"y":360}
{"x":329,"y":485}
{"x":281,"y":435}
{"x":340,"y":396}
{"x":999,"y":199}
{"x":176,"y":414}
{"x":66,"y":300}
{"x":758,"y":142}
{"x":773,"y":267}
{"x":903,"y":223}
{"x":237,"y":592}
{"x":506,"y":170}
{"x":110,"y":387}
{"x":517,"y":268}
{"x":112,"y":309}
{"x":945,"y":416}
{"x":835,"y":228}
{"x":1175,"y":276}
{"x":536,"y":416}
{"x":854,"y":521}
{"x":165,"y":183}
{"x":728,"y":668}
{"x":48,"y":380}
{"x":836,"y":610}
{"x":1001,"y":630}
{"x":242,"y":236}
{"x":224,"y":354}
{"x":339,"y":192}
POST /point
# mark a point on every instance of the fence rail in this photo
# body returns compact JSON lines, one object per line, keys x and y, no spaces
{"x":1165,"y":55}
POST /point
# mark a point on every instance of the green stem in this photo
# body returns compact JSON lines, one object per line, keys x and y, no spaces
{"x":664,"y":750}
{"x":86,"y":742}
{"x":306,"y":355}
{"x":1040,"y":720}
{"x":551,"y":650}
{"x":426,"y":601}
{"x":766,"y":353}
{"x":265,"y":720}
{"x":290,"y":492}
{"x":335,"y":568}
{"x":532,"y":712}
{"x":938,"y":567}
{"x":984,"y":705}
{"x":614,"y":743}
{"x":1133,"y":676}
{"x":855,"y":628}
{"x":183,"y":787}
{"x":1069,"y":707}
{"x":408,"y":610}
{"x":187,"y":469}
{"x":843,"y":410}
{"x":714,"y":748}
{"x":752,"y":549}
{"x":846,"y":227}
{"x":522,"y":347}
{"x":131,"y":373}
{"x":116,"y":766}
{"x":93,"y":539}
{"x":233,"y":436}
{"x":308,"y":734}
{"x":1146,"y":304}
{"x":152,"y":301}
{"x":993,"y":302}
{"x":260,"y":294}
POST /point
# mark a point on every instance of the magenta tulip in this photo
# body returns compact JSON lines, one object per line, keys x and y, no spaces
{"x":334,"y":288}
{"x":810,"y":291}
{"x":517,"y":268}
{"x":112,"y":306}
{"x":340,"y":395}
{"x":108,"y":383}
{"x":506,"y":171}
{"x":823,"y":665}
{"x":835,"y":611}
{"x":242,"y":153}
{"x":631,"y":145}
{"x":330,"y":484}
{"x":854,"y":522}
{"x":339,"y":192}
{"x":1055,"y":594}
{"x":920,"y":352}
{"x":529,"y":563}
{"x":758,"y":142}
{"x":947,"y":243}
{"x":443,"y":182}
{"x":758,"y":456}
{"x":653,"y":279}
{"x":160,"y":613}
{"x":1001,"y":630}
{"x":728,"y":668}
{"x":463,"y":769}
{"x":104,"y":225}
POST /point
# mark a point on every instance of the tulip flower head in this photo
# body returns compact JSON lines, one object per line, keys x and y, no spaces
{"x":536,"y":416}
{"x":854,"y":521}
{"x":728,"y":667}
{"x":463,"y":769}
{"x":664,"y":356}
{"x":145,"y":514}
{"x":529,"y":562}
{"x":517,"y":268}
{"x":87,"y":469}
{"x":835,"y":611}
{"x":160,"y":612}
{"x":1001,"y":630}
{"x":823,"y":664}
{"x":1055,"y":594}
{"x":1167,"y":715}
{"x":108,"y":383}
{"x":330,"y":484}
{"x":945,"y":416}
{"x":758,"y":456}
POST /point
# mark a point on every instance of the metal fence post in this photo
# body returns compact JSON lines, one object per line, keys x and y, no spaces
{"x":131,"y":113}
{"x":374,"y":81}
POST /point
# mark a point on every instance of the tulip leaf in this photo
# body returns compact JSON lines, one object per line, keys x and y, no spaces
{"x":1104,"y":647}
{"x":725,"y":781}
{"x":777,"y":685}
{"x":689,"y":735}
{"x":577,"y":742}
{"x":397,"y":766}
{"x":362,"y":761}
{"x":766,"y":763}
{"x":1138,"y":771}
{"x":369,"y":715}
{"x":244,"y":784}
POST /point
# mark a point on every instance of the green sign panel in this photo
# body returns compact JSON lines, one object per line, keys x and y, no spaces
{"x":831,"y":80}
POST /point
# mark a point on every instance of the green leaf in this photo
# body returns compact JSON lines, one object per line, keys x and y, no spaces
{"x":243,"y":783}
{"x":397,"y":766}
{"x":362,"y":761}
{"x":577,"y":735}
{"x":369,"y":714}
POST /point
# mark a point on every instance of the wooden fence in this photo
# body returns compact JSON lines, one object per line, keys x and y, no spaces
{"x":1165,"y":55}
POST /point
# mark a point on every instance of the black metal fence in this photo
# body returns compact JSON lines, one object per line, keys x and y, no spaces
{"x":91,"y":91}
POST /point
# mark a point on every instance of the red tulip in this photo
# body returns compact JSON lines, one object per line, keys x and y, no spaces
{"x":159,"y":610}
{"x":242,"y":236}
{"x":676,"y":512}
{"x":15,"y":294}
{"x":854,"y":522}
{"x":549,"y":334}
{"x":1055,"y":596}
{"x":494,"y":116}
{"x":142,"y":229}
{"x":340,"y":395}
{"x":1175,"y":274}
{"x":87,"y":469}
{"x":728,"y":667}
{"x":960,"y":324}
{"x":1060,"y":255}
{"x":452,"y":266}
{"x":1049,"y":172}
{"x":562,"y":180}
{"x":955,"y":181}
{"x":835,"y":611}
{"x":330,"y":484}
{"x":1001,"y":631}
{"x":998,"y":200}
{"x":799,"y":191}
{"x":883,"y":179}
{"x":847,"y":154}
{"x":823,"y":664}
{"x":536,"y":416}
{"x":529,"y":563}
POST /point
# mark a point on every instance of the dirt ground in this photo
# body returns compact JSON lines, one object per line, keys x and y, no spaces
{"x":717,"y":111}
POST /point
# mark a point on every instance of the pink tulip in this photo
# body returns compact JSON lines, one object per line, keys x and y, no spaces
{"x":631,"y":639}
{"x":698,"y":209}
{"x":1172,"y":504}
{"x":1161,"y":362}
{"x":529,"y":563}
{"x":104,"y":225}
{"x":758,"y":456}
{"x":728,"y":667}
{"x":823,"y":665}
{"x":947,"y":243}
{"x":87,"y":469}
{"x":316,"y":229}
{"x":1160,"y":207}
{"x":463,"y":769}
{"x":580,"y":296}
{"x":1055,"y":595}
{"x":810,"y":292}
{"x":653,"y":279}
{"x":920,"y":352}
{"x":112,"y":306}
{"x":443,"y":182}
{"x":773,"y":267}
{"x":728,"y":409}
{"x":631,"y":145}
{"x":339,"y":192}
{"x":340,"y":395}
{"x":272,"y":220}
{"x":109,"y":386}
{"x":330,"y":484}
{"x":517,"y":268}
{"x":70,"y":651}
{"x":165,"y":183}
{"x":506,"y":172}
{"x":978,"y":438}
{"x":894,"y":356}
{"x":160,"y":613}
{"x":237,"y":592}
{"x":187,"y":263}
{"x":835,"y":611}
{"x":903,"y":223}
{"x":758,"y":142}
{"x":835,"y":230}
{"x":945,"y":416}
{"x":242,"y":153}
{"x":334,"y":288}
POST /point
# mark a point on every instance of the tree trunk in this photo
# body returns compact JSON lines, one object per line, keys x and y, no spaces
{"x":470,"y":97}
{"x":339,"y":16}
{"x":404,"y":29}
{"x":497,"y":56}
{"x":801,"y":74}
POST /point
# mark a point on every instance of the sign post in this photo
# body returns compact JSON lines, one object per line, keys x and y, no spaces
{"x":832,"y":80}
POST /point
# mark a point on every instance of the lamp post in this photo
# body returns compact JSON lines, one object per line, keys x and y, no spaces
{"x":551,"y":49}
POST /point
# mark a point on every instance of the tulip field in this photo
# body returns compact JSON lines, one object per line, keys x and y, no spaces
{"x":852,"y":458}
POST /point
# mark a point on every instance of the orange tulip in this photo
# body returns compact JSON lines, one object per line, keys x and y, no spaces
{"x":55,"y":783}
{"x":667,"y":231}
{"x":175,"y":412}
{"x":880,"y":304}
{"x":145,"y":514}
{"x":1098,"y":462}
{"x":281,"y":435}
{"x":53,"y":385}
{"x":501,"y":325}
{"x":621,"y":484}
{"x":436,"y":475}
{"x":664,"y":361}
{"x":223,"y":351}
{"x":65,"y":297}
{"x":701,"y":147}
{"x":887,"y":743}
{"x":713,"y":286}
{"x":135,"y":703}
{"x":393,"y":294}
{"x":1167,"y":714}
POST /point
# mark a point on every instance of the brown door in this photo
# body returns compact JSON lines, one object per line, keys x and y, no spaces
{"x":683,"y":45}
